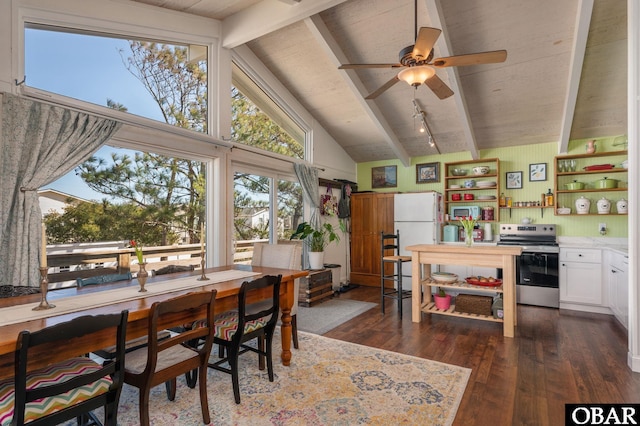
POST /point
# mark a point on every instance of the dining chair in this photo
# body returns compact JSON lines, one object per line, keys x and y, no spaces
{"x":392,"y":242}
{"x":232,"y":329}
{"x":67,"y":389}
{"x":286,"y":256}
{"x":163,"y":361}
{"x":131,"y":345}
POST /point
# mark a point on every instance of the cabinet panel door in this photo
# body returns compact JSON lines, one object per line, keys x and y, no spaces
{"x":362,"y":208}
{"x":581,"y":283}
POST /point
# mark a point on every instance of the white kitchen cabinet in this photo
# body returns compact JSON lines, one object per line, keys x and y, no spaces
{"x":581,"y":277}
{"x":618,"y":282}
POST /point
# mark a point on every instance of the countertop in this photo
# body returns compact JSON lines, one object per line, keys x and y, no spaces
{"x":619,"y":245}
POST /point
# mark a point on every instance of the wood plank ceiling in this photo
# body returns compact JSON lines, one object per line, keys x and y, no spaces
{"x":528,"y":99}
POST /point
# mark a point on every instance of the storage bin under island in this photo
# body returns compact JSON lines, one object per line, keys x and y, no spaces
{"x":423,"y":256}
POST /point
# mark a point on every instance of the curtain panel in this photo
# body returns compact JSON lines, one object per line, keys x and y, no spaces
{"x":40,"y":143}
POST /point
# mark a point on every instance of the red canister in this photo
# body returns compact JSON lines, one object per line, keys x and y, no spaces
{"x":456,"y":197}
{"x":468,"y":196}
{"x":487,"y":213}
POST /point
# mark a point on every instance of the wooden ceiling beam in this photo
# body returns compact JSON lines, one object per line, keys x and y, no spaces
{"x":581,"y":33}
{"x":268,"y":16}
{"x":435,"y":13}
{"x":337,"y":56}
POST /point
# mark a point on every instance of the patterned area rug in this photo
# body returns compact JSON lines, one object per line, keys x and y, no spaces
{"x":329,"y":382}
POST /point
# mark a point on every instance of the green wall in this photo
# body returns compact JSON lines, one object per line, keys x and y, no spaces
{"x":517,"y":159}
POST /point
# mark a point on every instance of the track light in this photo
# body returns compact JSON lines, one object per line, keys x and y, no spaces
{"x":424,"y":126}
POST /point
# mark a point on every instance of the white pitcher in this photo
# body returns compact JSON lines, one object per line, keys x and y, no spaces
{"x":583,"y":205}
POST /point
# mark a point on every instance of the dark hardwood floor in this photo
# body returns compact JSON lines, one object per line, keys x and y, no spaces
{"x":556,"y":357}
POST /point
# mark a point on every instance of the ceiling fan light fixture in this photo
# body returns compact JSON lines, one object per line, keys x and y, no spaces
{"x":416,"y":75}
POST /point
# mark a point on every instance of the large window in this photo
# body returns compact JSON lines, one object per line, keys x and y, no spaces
{"x":266,"y":208}
{"x":157,"y":80}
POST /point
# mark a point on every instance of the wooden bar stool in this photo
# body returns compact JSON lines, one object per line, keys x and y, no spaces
{"x":392,"y":242}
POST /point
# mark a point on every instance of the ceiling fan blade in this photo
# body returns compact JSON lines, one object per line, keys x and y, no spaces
{"x":427,"y":37}
{"x":382,"y":88}
{"x":439,"y":87}
{"x":492,"y":57}
{"x":356,"y":66}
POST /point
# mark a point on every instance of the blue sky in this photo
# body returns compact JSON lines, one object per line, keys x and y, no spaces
{"x":86,"y":68}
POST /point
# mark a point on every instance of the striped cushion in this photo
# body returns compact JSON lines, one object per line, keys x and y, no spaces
{"x":226,"y":325}
{"x":50,"y":375}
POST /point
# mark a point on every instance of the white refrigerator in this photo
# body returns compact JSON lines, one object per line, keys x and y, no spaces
{"x":418,"y":217}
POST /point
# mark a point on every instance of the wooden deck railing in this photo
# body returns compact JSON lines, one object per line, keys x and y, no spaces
{"x":64,"y":268}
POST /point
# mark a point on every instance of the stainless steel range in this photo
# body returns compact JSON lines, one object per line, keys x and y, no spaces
{"x":537,"y":280}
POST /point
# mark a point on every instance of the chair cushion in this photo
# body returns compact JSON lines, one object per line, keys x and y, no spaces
{"x":226,"y":325}
{"x":56,"y":373}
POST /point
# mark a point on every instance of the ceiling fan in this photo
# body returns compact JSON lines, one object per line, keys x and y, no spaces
{"x":418,"y":63}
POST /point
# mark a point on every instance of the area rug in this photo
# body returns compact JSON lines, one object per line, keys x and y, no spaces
{"x":327,"y":315}
{"x":329,"y":382}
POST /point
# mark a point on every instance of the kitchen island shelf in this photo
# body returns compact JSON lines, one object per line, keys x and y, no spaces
{"x":461,"y":285}
{"x":431,"y":309}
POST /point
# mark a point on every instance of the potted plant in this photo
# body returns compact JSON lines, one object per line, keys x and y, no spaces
{"x":442,"y":300}
{"x":316,"y":239}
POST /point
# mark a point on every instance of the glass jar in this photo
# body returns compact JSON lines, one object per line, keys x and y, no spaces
{"x":487,"y":213}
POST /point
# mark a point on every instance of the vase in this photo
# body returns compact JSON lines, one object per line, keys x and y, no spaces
{"x":442,"y":302}
{"x":591,"y":147}
{"x":142,"y":276}
{"x":316,"y":260}
{"x":468,"y":236}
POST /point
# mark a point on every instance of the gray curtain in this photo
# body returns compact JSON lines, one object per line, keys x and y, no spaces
{"x":308,"y":178}
{"x":40,"y":143}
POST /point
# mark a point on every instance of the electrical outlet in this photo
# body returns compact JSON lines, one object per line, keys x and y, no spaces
{"x":602,"y":227}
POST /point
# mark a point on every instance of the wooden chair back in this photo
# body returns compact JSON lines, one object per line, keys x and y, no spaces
{"x":39,"y":344}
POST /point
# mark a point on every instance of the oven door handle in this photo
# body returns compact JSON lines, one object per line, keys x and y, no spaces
{"x":546,"y":263}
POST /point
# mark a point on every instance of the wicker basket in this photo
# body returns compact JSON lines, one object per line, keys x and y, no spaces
{"x":473,"y":304}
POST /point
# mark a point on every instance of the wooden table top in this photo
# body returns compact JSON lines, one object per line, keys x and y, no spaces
{"x":226,"y":299}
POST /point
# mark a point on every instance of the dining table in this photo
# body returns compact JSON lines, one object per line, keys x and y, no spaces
{"x":17,"y":313}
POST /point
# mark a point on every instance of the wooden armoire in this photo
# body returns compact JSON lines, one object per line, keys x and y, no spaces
{"x":371,"y":213}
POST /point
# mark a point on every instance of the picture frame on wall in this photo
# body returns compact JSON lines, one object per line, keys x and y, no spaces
{"x":384,"y":177}
{"x":514,"y":180}
{"x":427,"y":172}
{"x":537,"y":172}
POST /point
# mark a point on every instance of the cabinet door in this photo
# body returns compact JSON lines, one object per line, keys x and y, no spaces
{"x":581,"y":283}
{"x":618,"y":294}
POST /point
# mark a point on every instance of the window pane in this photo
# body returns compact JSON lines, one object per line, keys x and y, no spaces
{"x":258,"y":121}
{"x":290,"y":207}
{"x":121,"y":195}
{"x":157,"y":80}
{"x":250,"y":214}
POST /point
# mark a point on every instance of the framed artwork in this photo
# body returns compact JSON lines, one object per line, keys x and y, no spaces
{"x":384,"y":177}
{"x":427,"y":172}
{"x":537,"y":172}
{"x":514,"y":180}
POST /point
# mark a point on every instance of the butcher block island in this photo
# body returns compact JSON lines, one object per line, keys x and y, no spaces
{"x":423,"y":256}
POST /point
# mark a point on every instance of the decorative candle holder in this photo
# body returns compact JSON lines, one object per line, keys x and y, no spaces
{"x":203,"y":277}
{"x":44,"y":288}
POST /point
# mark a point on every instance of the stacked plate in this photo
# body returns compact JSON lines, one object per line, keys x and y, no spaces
{"x":444,"y":277}
{"x":486,"y":197}
{"x":486,"y":184}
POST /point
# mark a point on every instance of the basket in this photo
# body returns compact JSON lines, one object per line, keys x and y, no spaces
{"x":473,"y":304}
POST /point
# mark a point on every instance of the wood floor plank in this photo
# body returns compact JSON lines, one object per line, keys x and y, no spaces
{"x":556,"y":357}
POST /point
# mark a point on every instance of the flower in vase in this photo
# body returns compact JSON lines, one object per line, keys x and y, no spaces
{"x":468,"y":223}
{"x":138,"y":249}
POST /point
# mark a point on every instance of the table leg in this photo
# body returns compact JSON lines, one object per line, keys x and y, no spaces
{"x":509,"y":289}
{"x":286,"y":301}
{"x":416,"y":293}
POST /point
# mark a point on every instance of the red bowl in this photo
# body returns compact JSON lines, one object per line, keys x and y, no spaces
{"x":456,"y":197}
{"x":468,"y":196}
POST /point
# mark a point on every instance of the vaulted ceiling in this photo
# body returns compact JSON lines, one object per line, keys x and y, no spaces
{"x":564,"y":77}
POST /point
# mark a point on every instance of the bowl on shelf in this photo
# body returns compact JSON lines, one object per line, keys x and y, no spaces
{"x":564,"y":210}
{"x":459,"y":172}
{"x":444,"y":277}
{"x":486,"y":184}
{"x":481,"y":170}
{"x":455,"y":187}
